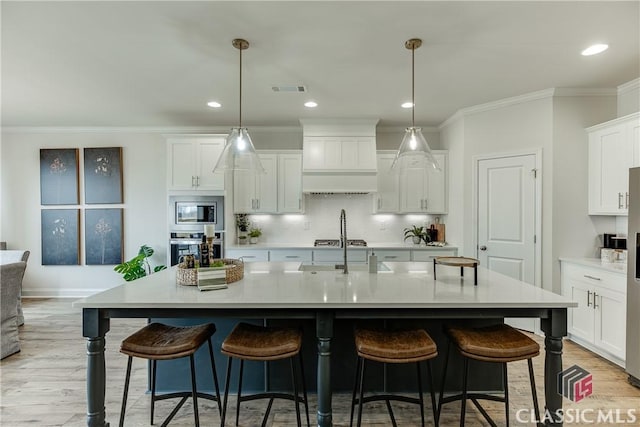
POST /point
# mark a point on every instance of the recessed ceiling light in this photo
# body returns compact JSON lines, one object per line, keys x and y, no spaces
{"x":595,"y":49}
{"x":407,"y":105}
{"x":311,"y":104}
{"x":214,"y":104}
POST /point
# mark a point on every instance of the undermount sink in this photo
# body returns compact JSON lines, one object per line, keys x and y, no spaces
{"x":338,"y":267}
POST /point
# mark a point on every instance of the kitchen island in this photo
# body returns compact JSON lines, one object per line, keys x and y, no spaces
{"x":280,"y":291}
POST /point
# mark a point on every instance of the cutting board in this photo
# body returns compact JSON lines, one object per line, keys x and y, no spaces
{"x":441,"y":232}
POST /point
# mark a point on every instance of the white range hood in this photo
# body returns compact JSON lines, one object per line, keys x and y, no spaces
{"x":339,"y":156}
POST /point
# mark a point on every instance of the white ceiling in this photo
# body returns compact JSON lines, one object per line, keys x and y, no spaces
{"x":157,"y":63}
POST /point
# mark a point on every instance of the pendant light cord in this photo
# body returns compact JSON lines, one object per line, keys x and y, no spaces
{"x":413,"y":84}
{"x":240,"y":112}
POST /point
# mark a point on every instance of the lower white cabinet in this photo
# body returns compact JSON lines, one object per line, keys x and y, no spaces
{"x":418,"y":255}
{"x":336,"y":256}
{"x":248,"y":255}
{"x":290,"y":255}
{"x":393,"y":255}
{"x":599,"y":321}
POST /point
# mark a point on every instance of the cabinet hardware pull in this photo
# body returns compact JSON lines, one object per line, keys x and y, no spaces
{"x":425,"y":204}
{"x":588,"y":298}
{"x":197,"y":181}
{"x":379,"y":203}
{"x":292,"y":256}
{"x":421,"y":203}
{"x":299,"y":203}
{"x":258,"y":202}
{"x":627,"y":200}
{"x":619,"y":200}
{"x":391,"y":256}
{"x":249,"y":256}
{"x":592,"y":277}
{"x":595,"y":305}
{"x":193,"y":181}
{"x":253,"y":203}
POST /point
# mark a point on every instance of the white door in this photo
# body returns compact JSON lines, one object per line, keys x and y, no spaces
{"x":507,"y":219}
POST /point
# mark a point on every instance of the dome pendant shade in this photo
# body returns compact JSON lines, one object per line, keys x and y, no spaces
{"x":414,"y":152}
{"x":239,"y":153}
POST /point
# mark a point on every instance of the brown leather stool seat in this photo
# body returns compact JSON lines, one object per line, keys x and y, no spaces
{"x":496,"y":344}
{"x":261,"y":343}
{"x":158,"y":341}
{"x":412,"y":346}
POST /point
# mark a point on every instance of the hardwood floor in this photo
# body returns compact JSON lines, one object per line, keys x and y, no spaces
{"x":44,"y":384}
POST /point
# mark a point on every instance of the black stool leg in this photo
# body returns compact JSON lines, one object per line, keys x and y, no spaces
{"x":506,"y":392}
{"x":304,"y":389}
{"x":362,"y":366}
{"x":463,"y":408}
{"x":355,"y":388}
{"x":239,"y":391}
{"x":194,"y":391}
{"x":433,"y":393}
{"x":295,"y":390}
{"x":126,"y":391}
{"x":154,"y":365}
{"x":421,"y":397}
{"x":533,"y":390}
{"x":444,"y":380}
{"x":226,"y":391}
{"x":215,"y":376}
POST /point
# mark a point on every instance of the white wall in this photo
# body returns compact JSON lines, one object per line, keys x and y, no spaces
{"x":145,"y":219}
{"x":629,"y":97}
{"x":452,"y":138}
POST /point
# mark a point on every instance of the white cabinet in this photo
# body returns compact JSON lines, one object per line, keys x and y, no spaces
{"x":290,"y":183}
{"x":191,"y":159}
{"x":277,"y":191}
{"x":336,"y":256}
{"x":393,"y":255}
{"x":599,"y":321}
{"x":614,"y":147}
{"x":290,"y":255}
{"x":387,"y":199}
{"x":254,"y":192}
{"x":425,"y":191}
{"x":248,"y":255}
{"x":339,"y":153}
{"x":420,"y":255}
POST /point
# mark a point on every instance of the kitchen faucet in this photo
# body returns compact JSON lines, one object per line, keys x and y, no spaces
{"x":343,"y":238}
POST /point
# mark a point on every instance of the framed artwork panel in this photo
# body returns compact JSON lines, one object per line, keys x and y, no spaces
{"x":103,"y":236}
{"x":59,"y":173}
{"x":60,"y":236}
{"x":103,"y":175}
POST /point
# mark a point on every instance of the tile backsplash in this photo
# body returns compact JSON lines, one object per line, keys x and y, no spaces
{"x":321,"y":221}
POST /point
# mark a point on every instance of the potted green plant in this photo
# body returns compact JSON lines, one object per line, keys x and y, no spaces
{"x":254,"y":233}
{"x":138,"y":266}
{"x":242,"y":222}
{"x":416,"y":233}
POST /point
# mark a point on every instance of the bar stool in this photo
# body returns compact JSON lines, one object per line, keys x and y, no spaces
{"x":393,"y":347}
{"x":157,"y":341}
{"x":260,"y":343}
{"x":495,"y":344}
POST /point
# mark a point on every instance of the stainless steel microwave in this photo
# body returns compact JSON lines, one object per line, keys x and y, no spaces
{"x":193,"y":213}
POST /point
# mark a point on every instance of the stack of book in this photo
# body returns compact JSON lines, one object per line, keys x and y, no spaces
{"x":212,"y":278}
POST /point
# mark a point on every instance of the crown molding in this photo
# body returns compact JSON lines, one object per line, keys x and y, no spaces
{"x":144,"y":129}
{"x":629,"y":86}
{"x":527,"y":97}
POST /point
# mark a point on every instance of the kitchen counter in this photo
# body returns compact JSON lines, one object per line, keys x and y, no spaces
{"x":614,"y":267}
{"x":278,"y":290}
{"x":409,"y":246}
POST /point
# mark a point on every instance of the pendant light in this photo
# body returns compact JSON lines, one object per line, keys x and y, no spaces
{"x":239,"y":154}
{"x":414,"y":152}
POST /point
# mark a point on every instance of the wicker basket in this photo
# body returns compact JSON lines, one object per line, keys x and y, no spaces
{"x":234,"y":270}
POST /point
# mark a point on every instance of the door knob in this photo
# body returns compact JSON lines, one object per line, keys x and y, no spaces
{"x":483,"y":248}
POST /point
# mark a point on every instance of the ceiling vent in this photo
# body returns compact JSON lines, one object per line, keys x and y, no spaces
{"x":289,"y":88}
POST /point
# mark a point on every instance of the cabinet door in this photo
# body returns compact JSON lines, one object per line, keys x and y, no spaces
{"x":388,"y":197}
{"x":182,"y":155}
{"x":429,"y":254}
{"x":267,"y":185}
{"x":290,"y":183}
{"x":290,"y":255}
{"x":610,"y":156}
{"x":436,"y":200}
{"x":413,"y":190}
{"x":244,"y":192}
{"x":393,"y":255}
{"x":581,"y":318}
{"x":208,"y":152}
{"x":611,"y":320}
{"x":248,"y":255}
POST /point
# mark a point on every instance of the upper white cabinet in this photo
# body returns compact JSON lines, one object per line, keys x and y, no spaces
{"x":277,"y":191}
{"x":339,"y":153}
{"x":425,"y":191}
{"x":387,"y":199}
{"x":191,"y":159}
{"x":614,"y":147}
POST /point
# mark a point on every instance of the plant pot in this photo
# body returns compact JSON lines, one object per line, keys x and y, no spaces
{"x":253,"y":240}
{"x":416,"y":240}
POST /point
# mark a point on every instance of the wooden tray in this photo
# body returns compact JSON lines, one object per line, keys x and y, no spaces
{"x":234,"y":271}
{"x":458,"y":261}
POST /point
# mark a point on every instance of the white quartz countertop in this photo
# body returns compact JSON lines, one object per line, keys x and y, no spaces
{"x":280,"y":285}
{"x":615,"y":267}
{"x":408,"y":246}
